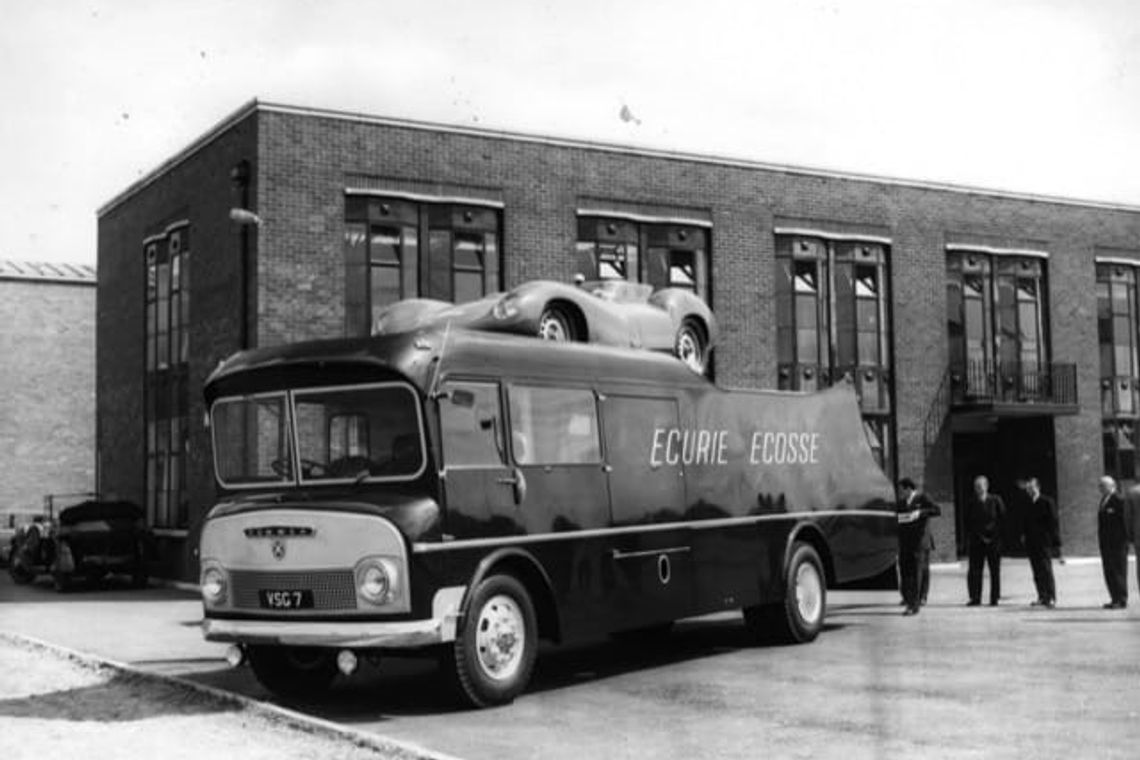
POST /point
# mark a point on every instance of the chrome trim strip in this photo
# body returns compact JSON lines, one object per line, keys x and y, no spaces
{"x":414,"y":633}
{"x":723,"y":522}
{"x":619,"y":554}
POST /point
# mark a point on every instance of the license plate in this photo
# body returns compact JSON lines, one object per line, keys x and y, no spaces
{"x":292,"y":599}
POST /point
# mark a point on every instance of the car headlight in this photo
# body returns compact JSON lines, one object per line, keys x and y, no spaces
{"x":378,"y":580}
{"x":213,"y":585}
{"x":506,"y":307}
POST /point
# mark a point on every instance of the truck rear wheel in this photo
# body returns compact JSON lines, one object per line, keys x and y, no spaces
{"x":296,"y":672}
{"x":798,"y":619}
{"x":493,"y":656}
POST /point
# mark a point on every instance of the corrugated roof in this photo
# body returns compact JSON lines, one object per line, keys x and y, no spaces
{"x":46,"y":271}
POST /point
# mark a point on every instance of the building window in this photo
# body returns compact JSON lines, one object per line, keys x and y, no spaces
{"x":167,"y":399}
{"x":995,"y":324}
{"x":665,"y":255}
{"x":832,"y":324}
{"x":386,"y":259}
{"x":1117,"y":323}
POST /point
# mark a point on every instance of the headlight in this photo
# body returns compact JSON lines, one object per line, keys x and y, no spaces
{"x":506,"y":307}
{"x":213,"y":585}
{"x":378,"y":580}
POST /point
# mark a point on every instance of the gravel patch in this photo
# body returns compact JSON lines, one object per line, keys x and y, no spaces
{"x":58,"y":703}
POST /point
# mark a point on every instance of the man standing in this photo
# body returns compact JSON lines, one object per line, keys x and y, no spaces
{"x":914,"y":510}
{"x":1113,"y":541}
{"x":984,"y":515}
{"x":1042,"y":540}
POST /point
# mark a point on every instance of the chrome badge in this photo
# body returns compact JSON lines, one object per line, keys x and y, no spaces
{"x":278,"y":549}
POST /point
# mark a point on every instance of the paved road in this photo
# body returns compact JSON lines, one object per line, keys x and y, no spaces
{"x":1005,"y":682}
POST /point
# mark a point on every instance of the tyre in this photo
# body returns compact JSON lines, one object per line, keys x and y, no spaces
{"x":493,"y":655}
{"x":798,"y":619}
{"x":556,"y":323}
{"x":691,"y":346}
{"x":296,"y":672}
{"x":20,"y":573}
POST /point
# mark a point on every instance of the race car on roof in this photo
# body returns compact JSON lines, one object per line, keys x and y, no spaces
{"x":609,"y":312}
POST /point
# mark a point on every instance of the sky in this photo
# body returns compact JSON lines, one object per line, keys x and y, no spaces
{"x":1028,"y":96}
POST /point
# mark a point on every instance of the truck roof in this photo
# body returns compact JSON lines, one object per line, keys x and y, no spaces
{"x":414,"y":355}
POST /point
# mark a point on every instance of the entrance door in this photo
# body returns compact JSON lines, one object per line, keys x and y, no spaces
{"x":1006,"y":451}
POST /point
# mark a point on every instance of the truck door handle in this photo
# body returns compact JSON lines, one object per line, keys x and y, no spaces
{"x":517,"y":481}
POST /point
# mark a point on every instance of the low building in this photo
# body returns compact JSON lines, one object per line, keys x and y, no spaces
{"x":987,"y":332}
{"x":47,"y":385}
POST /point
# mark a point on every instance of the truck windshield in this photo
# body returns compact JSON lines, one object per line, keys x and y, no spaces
{"x":347,"y":433}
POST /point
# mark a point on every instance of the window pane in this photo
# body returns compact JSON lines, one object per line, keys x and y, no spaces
{"x":385,"y":245}
{"x":388,"y":413}
{"x":250,"y":441}
{"x":555,"y":425}
{"x":471,"y":425}
{"x":385,"y":288}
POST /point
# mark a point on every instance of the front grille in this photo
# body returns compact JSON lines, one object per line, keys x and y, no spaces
{"x":332,"y":589}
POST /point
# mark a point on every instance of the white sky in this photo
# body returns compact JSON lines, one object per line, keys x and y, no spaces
{"x":1035,"y":96}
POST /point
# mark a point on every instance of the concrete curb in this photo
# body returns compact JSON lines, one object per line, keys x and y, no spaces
{"x":316,"y":726}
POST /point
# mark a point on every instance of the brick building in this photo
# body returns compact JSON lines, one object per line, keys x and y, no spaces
{"x":986,"y":331}
{"x":47,"y":384}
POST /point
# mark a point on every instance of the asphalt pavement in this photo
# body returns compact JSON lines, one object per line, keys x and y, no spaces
{"x":157,"y":631}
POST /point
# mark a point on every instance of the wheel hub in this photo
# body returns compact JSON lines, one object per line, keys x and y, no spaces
{"x":499,"y":637}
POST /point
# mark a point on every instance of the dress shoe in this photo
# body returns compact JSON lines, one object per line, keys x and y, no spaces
{"x":973,"y":603}
{"x":1049,"y":604}
{"x":910,"y":611}
{"x":1115,"y":606}
{"x":993,"y":603}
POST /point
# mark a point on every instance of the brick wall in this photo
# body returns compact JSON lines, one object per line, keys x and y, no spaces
{"x":47,"y":391}
{"x":305,"y":161}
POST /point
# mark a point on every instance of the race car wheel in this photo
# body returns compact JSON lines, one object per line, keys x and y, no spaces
{"x":295,"y":672}
{"x":691,"y":346}
{"x":556,"y":324}
{"x":799,"y":618}
{"x":493,"y":655}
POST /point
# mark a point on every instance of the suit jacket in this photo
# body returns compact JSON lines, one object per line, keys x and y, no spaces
{"x":984,"y":518}
{"x":1110,"y":519}
{"x":914,"y":529}
{"x":1042,"y":530}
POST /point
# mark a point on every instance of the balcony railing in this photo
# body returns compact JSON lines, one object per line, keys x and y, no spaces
{"x":989,"y":383}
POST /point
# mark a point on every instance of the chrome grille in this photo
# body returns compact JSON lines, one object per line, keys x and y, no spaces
{"x":332,"y":589}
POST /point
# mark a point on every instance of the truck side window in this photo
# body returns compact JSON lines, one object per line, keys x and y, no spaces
{"x":554,"y":425}
{"x":471,"y":424}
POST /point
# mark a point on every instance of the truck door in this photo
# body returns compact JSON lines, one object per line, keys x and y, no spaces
{"x":653,"y":567}
{"x":556,"y":446}
{"x":481,"y":490}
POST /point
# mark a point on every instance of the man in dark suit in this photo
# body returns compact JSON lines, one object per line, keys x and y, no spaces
{"x":1042,"y":540}
{"x":1113,"y":541}
{"x":984,"y":515}
{"x":914,"y":510}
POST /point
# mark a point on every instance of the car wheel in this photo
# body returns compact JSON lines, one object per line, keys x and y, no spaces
{"x":295,"y":672}
{"x":21,"y":575}
{"x":691,"y":347}
{"x":493,"y":655}
{"x":556,"y":324}
{"x":799,"y":618}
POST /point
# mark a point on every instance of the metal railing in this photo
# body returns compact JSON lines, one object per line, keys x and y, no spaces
{"x":1014,"y":383}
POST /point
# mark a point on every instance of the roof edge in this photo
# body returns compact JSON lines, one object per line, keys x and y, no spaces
{"x":256,"y":105}
{"x":211,"y":134}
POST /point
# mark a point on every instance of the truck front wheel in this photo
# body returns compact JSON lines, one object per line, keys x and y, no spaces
{"x":493,"y":655}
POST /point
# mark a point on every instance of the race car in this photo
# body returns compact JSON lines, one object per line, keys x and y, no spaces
{"x":609,"y":312}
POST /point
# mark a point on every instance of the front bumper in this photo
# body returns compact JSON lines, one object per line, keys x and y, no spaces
{"x":440,"y":628}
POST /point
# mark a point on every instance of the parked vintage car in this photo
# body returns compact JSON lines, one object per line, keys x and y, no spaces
{"x":610,"y":312}
{"x":89,"y":540}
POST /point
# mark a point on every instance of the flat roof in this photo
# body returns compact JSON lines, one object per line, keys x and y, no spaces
{"x":256,"y":105}
{"x":45,"y":271}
